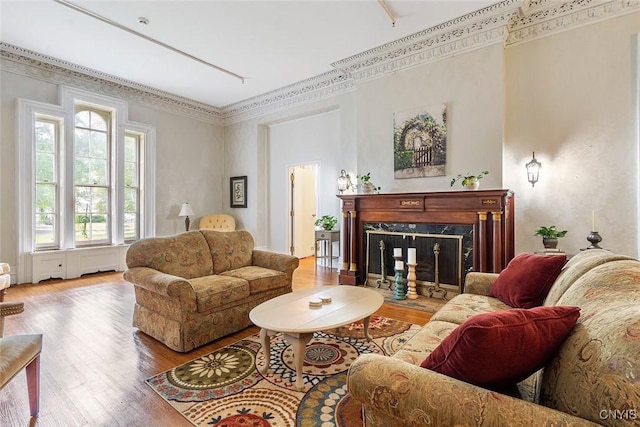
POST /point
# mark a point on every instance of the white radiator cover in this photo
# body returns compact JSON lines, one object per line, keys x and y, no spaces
{"x":72,"y":263}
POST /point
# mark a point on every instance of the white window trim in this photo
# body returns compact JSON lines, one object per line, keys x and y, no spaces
{"x":27,"y":111}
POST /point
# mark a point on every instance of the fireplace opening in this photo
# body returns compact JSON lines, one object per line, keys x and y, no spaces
{"x":444,"y":267}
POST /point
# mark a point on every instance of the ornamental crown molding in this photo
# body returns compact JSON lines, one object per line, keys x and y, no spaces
{"x":25,"y":62}
{"x":316,"y":88}
{"x":541,"y":18}
{"x":475,"y":30}
{"x":508,"y":22}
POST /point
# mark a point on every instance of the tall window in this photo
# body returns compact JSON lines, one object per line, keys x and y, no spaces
{"x":92,"y":171}
{"x":86,"y":174}
{"x":47,"y":221}
{"x":133,"y":142}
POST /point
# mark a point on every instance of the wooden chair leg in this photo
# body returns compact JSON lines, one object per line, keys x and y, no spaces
{"x":33,"y":385}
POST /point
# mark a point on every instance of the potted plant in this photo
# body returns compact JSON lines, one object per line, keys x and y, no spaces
{"x":550,"y":235}
{"x":470,"y":182}
{"x":326,"y":222}
{"x":366,"y":185}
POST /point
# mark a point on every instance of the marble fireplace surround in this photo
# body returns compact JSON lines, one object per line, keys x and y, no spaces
{"x":484,"y":219}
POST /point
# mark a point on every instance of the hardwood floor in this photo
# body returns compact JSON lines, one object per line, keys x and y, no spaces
{"x":94,"y":362}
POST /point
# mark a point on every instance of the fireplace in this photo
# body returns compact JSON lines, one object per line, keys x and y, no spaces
{"x":453,"y":260}
{"x":478,"y":225}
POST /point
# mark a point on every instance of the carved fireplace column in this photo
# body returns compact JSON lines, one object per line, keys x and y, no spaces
{"x":346,"y":238}
{"x":496,"y":255}
{"x":353,"y":262}
{"x":482,"y":240}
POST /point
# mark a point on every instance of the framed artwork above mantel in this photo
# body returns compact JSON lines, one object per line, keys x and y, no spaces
{"x":238,"y":191}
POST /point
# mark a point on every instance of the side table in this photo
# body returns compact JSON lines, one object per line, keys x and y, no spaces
{"x":327,"y":238}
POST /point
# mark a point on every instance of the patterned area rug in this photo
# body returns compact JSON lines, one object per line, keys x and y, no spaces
{"x":224,"y":388}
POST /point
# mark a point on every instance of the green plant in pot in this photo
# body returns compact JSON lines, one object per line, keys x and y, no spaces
{"x":326,"y":222}
{"x":366,"y":184}
{"x":550,"y":235}
{"x":469,"y":181}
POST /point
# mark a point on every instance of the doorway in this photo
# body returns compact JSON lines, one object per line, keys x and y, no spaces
{"x":302,"y":209}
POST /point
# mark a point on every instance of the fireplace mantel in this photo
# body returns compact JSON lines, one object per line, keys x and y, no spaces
{"x":490,"y":212}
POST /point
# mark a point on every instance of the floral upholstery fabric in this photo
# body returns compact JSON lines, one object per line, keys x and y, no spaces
{"x":180,"y":255}
{"x":229,"y":251}
{"x":600,"y":362}
{"x":260,"y":279}
{"x":182,"y":303}
{"x":215,"y":291}
{"x":594,"y":379}
{"x":575,"y":268}
{"x":397,"y":394}
{"x":463,"y":306}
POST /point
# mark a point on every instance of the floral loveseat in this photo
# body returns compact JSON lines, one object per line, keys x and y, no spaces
{"x":195,"y":287}
{"x":592,"y":378}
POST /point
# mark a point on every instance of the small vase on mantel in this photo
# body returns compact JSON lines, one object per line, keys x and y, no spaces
{"x":474,"y":185}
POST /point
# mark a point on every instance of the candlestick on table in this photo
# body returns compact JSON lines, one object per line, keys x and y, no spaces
{"x":411,"y":256}
{"x":399,"y":290}
{"x":411,"y":281}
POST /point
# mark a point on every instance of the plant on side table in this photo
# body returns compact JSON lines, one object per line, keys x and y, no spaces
{"x":326,"y":222}
{"x":550,"y":235}
{"x":468,"y":181}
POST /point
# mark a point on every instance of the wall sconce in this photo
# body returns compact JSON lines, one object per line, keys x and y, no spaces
{"x":186,"y":210}
{"x":344,"y":181}
{"x":533,"y":170}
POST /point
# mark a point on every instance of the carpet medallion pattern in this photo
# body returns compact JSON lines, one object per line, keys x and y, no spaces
{"x":225,"y":388}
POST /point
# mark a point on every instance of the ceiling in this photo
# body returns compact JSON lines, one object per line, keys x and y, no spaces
{"x":270,"y":44}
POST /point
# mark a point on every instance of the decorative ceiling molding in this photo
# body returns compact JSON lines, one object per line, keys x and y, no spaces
{"x":541,"y":18}
{"x":331,"y":83}
{"x":32,"y":64}
{"x":509,"y":22}
{"x":475,"y":30}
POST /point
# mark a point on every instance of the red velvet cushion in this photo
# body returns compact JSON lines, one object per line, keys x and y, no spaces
{"x":497,"y":350}
{"x":527,"y":279}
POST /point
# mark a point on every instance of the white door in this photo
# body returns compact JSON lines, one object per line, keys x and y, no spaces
{"x":302,"y":191}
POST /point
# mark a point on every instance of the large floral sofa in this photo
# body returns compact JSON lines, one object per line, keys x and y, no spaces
{"x":593,"y":378}
{"x":195,"y":287}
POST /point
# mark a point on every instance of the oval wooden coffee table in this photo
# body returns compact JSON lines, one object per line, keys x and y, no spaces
{"x":292,"y":315}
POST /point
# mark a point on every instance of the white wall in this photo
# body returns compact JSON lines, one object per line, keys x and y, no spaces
{"x":570,"y":98}
{"x":189,"y":155}
{"x":312,"y":139}
{"x":471,"y":87}
{"x":246,"y":153}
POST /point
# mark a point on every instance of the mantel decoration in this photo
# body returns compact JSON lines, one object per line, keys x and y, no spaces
{"x":344,"y":181}
{"x":366,"y":185}
{"x":550,"y":235}
{"x":469,"y":181}
{"x":326,"y":222}
{"x":238,"y":191}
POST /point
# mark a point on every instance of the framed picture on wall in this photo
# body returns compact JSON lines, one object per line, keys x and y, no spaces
{"x":238,"y":191}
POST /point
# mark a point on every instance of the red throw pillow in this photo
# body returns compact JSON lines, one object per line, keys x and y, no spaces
{"x":498,"y":350}
{"x":527,"y":279}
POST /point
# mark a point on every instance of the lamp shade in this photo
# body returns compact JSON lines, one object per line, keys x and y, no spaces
{"x":186,"y":210}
